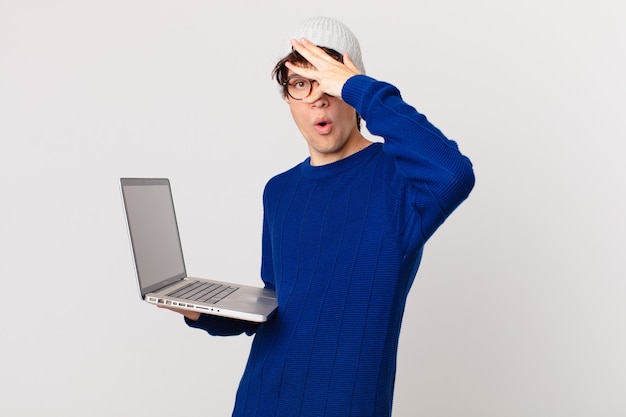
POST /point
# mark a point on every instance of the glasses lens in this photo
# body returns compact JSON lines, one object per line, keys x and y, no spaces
{"x":298,"y":87}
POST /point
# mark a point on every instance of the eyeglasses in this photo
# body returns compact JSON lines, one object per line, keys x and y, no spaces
{"x":298,"y":87}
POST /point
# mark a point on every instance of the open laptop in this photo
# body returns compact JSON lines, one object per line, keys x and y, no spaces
{"x":160,"y":266}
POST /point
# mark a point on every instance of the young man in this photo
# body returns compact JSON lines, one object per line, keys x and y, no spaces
{"x":343,"y":235}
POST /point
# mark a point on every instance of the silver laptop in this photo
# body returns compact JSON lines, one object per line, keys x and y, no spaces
{"x":160,"y":266}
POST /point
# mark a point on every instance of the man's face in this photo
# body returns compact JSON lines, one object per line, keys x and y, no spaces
{"x":328,"y":125}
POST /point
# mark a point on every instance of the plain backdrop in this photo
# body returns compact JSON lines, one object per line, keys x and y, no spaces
{"x":519,"y":307}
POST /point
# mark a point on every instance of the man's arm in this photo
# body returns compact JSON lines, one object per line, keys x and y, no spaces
{"x":441,"y":176}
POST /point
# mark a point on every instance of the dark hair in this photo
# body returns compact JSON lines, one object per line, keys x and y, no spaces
{"x":280,"y":71}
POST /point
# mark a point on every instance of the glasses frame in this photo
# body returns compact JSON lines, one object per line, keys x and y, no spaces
{"x":286,"y":86}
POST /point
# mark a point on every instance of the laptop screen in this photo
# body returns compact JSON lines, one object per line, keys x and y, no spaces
{"x":153,"y":232}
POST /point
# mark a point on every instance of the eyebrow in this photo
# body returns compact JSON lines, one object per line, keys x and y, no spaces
{"x":292,"y":76}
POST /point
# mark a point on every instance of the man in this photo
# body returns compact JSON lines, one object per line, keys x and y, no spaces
{"x":343,"y":234}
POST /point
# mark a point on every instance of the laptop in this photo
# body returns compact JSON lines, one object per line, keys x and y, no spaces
{"x":160,"y":266}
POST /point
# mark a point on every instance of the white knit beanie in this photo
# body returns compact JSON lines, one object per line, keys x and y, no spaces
{"x":327,"y":32}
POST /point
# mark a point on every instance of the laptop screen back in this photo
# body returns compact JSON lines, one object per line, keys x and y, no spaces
{"x":153,"y":232}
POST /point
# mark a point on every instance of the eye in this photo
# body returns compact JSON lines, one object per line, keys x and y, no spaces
{"x":299,"y":83}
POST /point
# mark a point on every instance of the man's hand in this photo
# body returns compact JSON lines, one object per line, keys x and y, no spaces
{"x":330,"y":74}
{"x":191,"y":315}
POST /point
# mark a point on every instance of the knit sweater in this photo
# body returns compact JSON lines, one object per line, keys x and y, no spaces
{"x":341,"y":246}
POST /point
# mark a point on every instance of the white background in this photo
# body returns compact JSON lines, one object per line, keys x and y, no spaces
{"x":519,"y":308}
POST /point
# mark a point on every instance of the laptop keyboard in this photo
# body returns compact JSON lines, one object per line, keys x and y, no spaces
{"x":204,"y":292}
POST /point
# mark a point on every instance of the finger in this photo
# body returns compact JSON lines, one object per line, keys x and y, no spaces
{"x":306,"y":51}
{"x":313,"y":97}
{"x":302,"y":48}
{"x":311,"y":52}
{"x":349,"y":63}
{"x":302,"y":71}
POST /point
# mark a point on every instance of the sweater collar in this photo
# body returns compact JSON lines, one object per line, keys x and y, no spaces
{"x":338,"y":167}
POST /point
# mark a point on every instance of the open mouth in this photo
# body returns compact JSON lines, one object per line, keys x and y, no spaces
{"x":322,"y":122}
{"x":323,"y":127}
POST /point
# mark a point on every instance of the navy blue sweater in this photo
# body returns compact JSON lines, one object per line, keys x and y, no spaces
{"x":341,"y":246}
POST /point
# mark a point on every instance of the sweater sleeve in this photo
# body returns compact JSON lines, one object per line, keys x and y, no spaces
{"x":222,"y":326}
{"x":436,"y":176}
